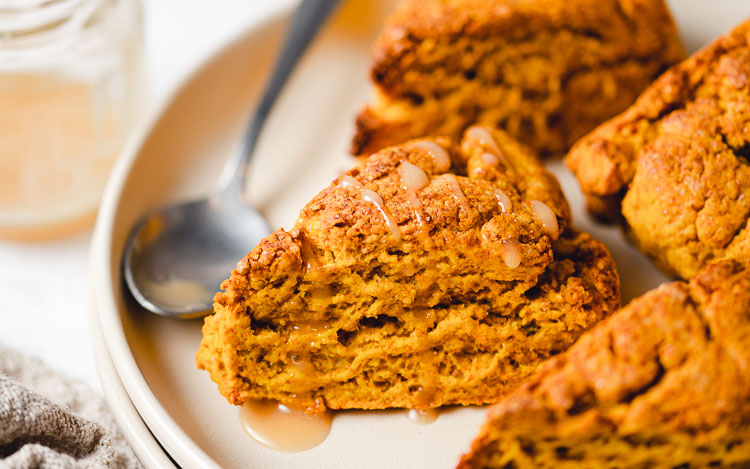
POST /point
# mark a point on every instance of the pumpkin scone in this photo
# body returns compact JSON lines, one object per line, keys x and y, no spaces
{"x":433,"y":273}
{"x":674,"y":167}
{"x":662,"y":383}
{"x":546,"y":71}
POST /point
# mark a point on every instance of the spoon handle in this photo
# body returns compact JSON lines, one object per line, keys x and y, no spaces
{"x":309,"y":17}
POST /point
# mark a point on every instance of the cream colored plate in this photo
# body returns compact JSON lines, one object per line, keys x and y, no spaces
{"x":179,"y":155}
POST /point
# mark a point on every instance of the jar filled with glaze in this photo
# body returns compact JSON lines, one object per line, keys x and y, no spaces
{"x":70,"y":91}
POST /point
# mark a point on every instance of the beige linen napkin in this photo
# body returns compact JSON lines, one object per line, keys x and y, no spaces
{"x":50,"y":421}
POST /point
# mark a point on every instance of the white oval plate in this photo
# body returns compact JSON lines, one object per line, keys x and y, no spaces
{"x":179,"y":156}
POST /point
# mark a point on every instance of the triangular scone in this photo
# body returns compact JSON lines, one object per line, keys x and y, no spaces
{"x":662,"y":383}
{"x":546,"y":71}
{"x":675,"y":167}
{"x":405,"y":285}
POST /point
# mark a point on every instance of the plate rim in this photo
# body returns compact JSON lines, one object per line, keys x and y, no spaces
{"x":142,"y":442}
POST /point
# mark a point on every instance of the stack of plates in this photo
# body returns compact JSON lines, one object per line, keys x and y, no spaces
{"x":170,"y":412}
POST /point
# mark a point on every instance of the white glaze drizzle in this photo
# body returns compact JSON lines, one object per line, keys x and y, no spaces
{"x":511,"y":253}
{"x":457,"y":193}
{"x":377,"y":201}
{"x":483,"y":137}
{"x":416,"y":206}
{"x":412,"y":176}
{"x":412,"y":180}
{"x":503,"y":201}
{"x":438,"y":154}
{"x":348,"y":181}
{"x":489,"y":159}
{"x":546,"y":217}
{"x":373,"y":198}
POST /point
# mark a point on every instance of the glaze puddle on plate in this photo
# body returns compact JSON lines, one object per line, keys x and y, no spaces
{"x":290,"y":430}
{"x":423,"y":417}
{"x":284,"y":428}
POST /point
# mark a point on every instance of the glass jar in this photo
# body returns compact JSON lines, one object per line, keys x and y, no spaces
{"x":70,"y":90}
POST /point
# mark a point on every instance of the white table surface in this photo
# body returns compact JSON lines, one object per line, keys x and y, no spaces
{"x":52,"y":323}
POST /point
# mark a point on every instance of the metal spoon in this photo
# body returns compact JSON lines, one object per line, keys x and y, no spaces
{"x":175,"y":259}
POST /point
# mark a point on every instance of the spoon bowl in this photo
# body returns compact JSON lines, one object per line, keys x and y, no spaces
{"x":175,"y":259}
{"x":178,"y":257}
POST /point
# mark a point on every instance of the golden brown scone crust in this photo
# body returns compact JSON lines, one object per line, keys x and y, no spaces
{"x":546,"y":71}
{"x":344,"y":312}
{"x":662,"y":383}
{"x":676,"y":162}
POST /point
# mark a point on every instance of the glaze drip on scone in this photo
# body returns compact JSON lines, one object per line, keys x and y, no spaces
{"x":313,"y":332}
{"x":438,"y":154}
{"x":511,"y":252}
{"x":545,"y":215}
{"x":489,"y":159}
{"x":456,"y":192}
{"x":413,"y":179}
{"x":375,"y":199}
{"x":480,"y":136}
{"x":503,"y":200}
{"x":348,"y":181}
{"x":472,"y":296}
